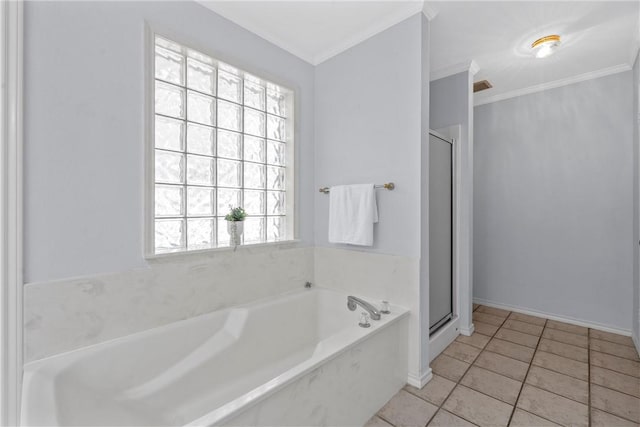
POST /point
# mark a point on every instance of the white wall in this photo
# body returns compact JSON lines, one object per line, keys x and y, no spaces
{"x":84,"y":126}
{"x":451,"y":104}
{"x":553,"y":201}
{"x":370,"y":111}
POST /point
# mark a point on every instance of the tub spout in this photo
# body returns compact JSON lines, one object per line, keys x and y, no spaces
{"x":353,"y":302}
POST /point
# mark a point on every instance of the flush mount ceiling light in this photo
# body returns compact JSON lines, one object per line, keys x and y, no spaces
{"x":546,"y":45}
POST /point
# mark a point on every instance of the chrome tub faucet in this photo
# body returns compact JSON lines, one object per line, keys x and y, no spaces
{"x":354,"y":302}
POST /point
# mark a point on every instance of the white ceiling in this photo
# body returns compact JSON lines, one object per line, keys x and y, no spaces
{"x":598,"y":38}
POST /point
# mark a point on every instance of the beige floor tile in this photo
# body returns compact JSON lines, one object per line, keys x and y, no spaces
{"x":527,"y":328}
{"x":562,"y":365}
{"x":504,"y":365}
{"x":485,"y":328}
{"x":526,"y":419}
{"x":616,"y":403}
{"x":603,"y":419}
{"x":517,"y":337}
{"x":619,"y":350}
{"x":447,"y":419}
{"x":561,"y":384}
{"x":513,"y":350}
{"x":615,"y":363}
{"x":487,"y":318}
{"x":565,"y":350}
{"x":436,"y":390}
{"x":615,"y":381}
{"x":492,"y":384}
{"x":566,"y":337}
{"x":608,"y":336}
{"x":528,"y":318}
{"x":466,"y":353}
{"x":405,"y":409}
{"x":478,"y":408}
{"x":494,"y":311}
{"x":376,"y":421}
{"x":553,"y":407}
{"x":476,"y":340}
{"x":448,"y":367}
{"x":567,"y":327}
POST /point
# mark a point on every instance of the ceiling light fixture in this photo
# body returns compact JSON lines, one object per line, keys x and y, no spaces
{"x":546,"y":45}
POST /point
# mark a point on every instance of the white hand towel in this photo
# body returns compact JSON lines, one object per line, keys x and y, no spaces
{"x":352,"y":213}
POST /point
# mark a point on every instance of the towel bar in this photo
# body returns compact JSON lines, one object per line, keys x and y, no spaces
{"x":387,"y":186}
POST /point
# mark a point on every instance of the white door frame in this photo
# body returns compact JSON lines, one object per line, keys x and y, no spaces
{"x":11,"y":133}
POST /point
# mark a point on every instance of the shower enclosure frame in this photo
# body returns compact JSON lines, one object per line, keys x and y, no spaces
{"x":448,"y":332}
{"x":453,"y":306}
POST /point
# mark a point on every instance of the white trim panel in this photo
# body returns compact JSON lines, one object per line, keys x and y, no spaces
{"x":550,"y":316}
{"x":11,"y":131}
{"x":554,"y":84}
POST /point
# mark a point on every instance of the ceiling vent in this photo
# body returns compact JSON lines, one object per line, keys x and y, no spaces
{"x":481,"y":85}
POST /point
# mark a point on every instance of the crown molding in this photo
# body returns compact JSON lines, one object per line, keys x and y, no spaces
{"x":470,"y":66}
{"x":370,"y":31}
{"x":554,"y":84}
{"x":413,"y":8}
{"x":429,"y":11}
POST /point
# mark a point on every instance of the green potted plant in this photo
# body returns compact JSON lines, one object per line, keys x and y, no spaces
{"x":235,"y":224}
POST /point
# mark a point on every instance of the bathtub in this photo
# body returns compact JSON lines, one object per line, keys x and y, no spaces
{"x":296,"y":359}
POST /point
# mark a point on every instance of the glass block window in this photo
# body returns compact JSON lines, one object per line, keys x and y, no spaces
{"x":222,"y":138}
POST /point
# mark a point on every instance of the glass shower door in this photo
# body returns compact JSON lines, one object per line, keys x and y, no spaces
{"x":440,"y":231}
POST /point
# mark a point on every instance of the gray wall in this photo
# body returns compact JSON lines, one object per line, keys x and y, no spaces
{"x":553,"y":201}
{"x":84,"y":126}
{"x":368,"y":123}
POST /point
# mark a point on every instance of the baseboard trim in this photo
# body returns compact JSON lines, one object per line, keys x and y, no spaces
{"x":419,"y":382}
{"x":468,"y":331}
{"x":636,"y":341}
{"x":566,"y":319}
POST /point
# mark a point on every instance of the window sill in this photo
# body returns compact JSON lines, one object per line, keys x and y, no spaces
{"x":284,"y":244}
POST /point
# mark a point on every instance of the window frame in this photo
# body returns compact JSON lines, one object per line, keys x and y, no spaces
{"x":291,"y":164}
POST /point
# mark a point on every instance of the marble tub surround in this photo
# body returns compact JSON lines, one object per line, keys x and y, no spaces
{"x":497,"y":377}
{"x":68,"y":314}
{"x":377,"y":277}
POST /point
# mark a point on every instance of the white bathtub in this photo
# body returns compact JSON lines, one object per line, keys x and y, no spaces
{"x":297,"y":359}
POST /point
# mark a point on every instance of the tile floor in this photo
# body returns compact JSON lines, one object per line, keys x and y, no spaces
{"x":521,"y":370}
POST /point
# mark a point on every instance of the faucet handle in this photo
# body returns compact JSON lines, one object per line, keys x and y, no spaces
{"x":364,"y":320}
{"x":385,"y":307}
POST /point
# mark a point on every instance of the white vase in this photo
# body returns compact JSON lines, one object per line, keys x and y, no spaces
{"x":235,"y":229}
